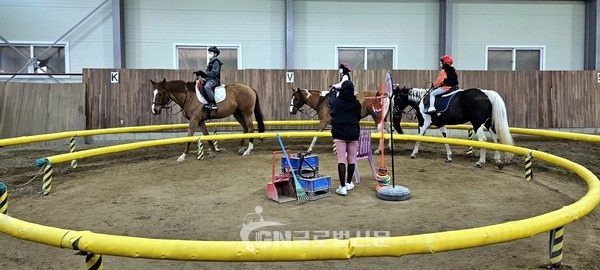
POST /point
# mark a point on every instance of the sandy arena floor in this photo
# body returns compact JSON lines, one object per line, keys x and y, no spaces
{"x":146,"y":193}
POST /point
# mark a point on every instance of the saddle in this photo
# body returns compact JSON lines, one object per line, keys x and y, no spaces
{"x":442,"y":101}
{"x":333,"y":95}
{"x":220,"y":93}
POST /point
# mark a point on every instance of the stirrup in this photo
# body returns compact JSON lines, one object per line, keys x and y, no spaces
{"x":210,"y":106}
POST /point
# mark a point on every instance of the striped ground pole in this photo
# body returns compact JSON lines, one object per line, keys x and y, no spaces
{"x":556,"y":247}
{"x":93,"y":262}
{"x":72,"y":150}
{"x":3,"y":199}
{"x":47,"y":179}
{"x":528,"y":169}
{"x":200,"y":154}
{"x":470,"y":148}
{"x":334,"y":148}
{"x":215,"y":142}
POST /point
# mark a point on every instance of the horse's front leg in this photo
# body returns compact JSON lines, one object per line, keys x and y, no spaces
{"x":204,"y":130}
{"x":191,"y":131}
{"x":322,"y":125}
{"x":444,"y":133}
{"x":422,"y":128}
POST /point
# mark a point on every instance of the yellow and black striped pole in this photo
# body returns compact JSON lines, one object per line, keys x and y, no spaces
{"x":528,"y":169}
{"x":72,"y":150}
{"x":3,"y":199}
{"x":200,"y":154}
{"x":334,"y":148}
{"x":93,"y":262}
{"x":215,"y":142}
{"x":556,"y":247}
{"x":47,"y":179}
{"x":470,"y":148}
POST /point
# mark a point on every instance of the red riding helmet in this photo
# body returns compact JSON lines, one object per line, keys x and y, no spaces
{"x":345,"y":66}
{"x":447,"y":59}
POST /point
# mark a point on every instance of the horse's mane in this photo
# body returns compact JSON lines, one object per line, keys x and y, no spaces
{"x":178,"y":84}
{"x":416,"y":94}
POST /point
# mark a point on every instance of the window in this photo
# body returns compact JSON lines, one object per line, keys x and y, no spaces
{"x":196,"y":57}
{"x":515,"y":58}
{"x":50,"y":59}
{"x":361,"y":58}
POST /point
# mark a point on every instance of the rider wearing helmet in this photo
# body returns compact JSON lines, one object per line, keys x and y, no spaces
{"x":344,"y":75}
{"x":212,"y":76}
{"x":334,"y":89}
{"x":446,"y":80}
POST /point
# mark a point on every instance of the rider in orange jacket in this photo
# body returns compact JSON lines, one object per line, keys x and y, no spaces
{"x":446,"y":80}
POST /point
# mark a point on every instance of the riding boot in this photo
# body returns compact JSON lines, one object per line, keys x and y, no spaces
{"x":212,"y":105}
{"x":431,"y":104}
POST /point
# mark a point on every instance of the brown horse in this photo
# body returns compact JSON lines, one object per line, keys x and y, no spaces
{"x":318,"y":102}
{"x":241,"y":101}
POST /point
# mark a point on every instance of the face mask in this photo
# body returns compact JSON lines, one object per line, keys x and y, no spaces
{"x":211,"y":55}
{"x":341,"y":71}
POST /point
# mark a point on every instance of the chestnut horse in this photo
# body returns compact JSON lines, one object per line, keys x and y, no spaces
{"x":318,"y":102}
{"x":241,"y":101}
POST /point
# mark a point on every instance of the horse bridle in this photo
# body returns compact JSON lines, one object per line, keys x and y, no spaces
{"x":407,"y":105}
{"x":166,"y":105}
{"x":302,"y":103}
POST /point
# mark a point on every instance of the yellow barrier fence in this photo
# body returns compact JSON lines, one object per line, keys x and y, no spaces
{"x":309,"y":250}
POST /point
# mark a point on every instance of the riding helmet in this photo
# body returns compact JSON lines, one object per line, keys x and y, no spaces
{"x":446,"y":59}
{"x":345,"y":66}
{"x":214,"y":49}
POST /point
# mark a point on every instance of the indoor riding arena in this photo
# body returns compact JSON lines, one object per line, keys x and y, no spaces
{"x":108,"y":157}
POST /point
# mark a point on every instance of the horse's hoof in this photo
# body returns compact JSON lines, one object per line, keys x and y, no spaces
{"x":377,"y":152}
{"x":181,"y":158}
{"x":448,"y":160}
{"x":309,"y":151}
{"x":241,"y":151}
{"x":413,"y":156}
{"x":500,"y":165}
{"x":218,"y":149}
{"x":478,"y":165}
{"x":246,"y":154}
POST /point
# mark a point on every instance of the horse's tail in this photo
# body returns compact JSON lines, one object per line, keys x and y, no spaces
{"x":258,"y":114}
{"x":500,"y":120}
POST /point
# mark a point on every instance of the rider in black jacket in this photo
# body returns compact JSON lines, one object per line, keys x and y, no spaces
{"x":212,"y":76}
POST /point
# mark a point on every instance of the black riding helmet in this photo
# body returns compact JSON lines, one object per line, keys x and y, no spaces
{"x":214,"y":49}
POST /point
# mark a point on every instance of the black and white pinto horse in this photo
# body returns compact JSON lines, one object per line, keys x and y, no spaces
{"x":483,"y":108}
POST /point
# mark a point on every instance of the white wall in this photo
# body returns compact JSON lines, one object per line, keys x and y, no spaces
{"x":153,"y":27}
{"x":321,"y":25}
{"x":557,"y":25}
{"x":90,"y":45}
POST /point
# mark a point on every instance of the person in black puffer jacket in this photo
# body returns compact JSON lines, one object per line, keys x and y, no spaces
{"x":345,"y":130}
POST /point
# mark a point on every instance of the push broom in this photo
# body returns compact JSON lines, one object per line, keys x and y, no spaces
{"x":301,"y":195}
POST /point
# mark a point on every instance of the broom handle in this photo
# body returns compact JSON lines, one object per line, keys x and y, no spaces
{"x":287,"y":158}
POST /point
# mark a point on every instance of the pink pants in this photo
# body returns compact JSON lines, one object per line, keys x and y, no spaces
{"x":346,"y":150}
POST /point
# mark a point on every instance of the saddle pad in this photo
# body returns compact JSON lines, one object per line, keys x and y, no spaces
{"x":220,"y":94}
{"x":443,"y":101}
